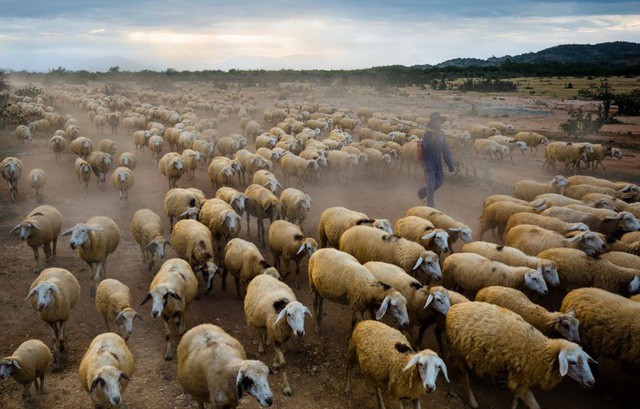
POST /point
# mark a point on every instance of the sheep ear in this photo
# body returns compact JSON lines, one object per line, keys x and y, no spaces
{"x":571,"y":312}
{"x":239,"y":384}
{"x":420,"y":260}
{"x":31,"y":293}
{"x":124,"y":376}
{"x":15,"y":228}
{"x":563,"y":363}
{"x":95,"y":383}
{"x":412,"y":362}
{"x":174,"y":295}
{"x":301,"y":249}
{"x":306,"y":311}
{"x":429,"y":299}
{"x":591,"y":359}
{"x":150,"y":245}
{"x":118,"y":317}
{"x":428,"y":236}
{"x":147,"y":298}
{"x":95,"y":228}
{"x":68,"y":232}
{"x":456,"y":229}
{"x":283,"y":312}
{"x":634,"y":285}
{"x":138,"y":316}
{"x":442,"y":366}
{"x":383,"y":308}
{"x":614,"y":217}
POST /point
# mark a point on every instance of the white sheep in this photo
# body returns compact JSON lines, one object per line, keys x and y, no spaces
{"x":457,"y":230}
{"x":244,"y":261}
{"x":193,"y":242}
{"x":173,"y":166}
{"x":28,"y":364}
{"x":57,"y":144}
{"x":147,"y":231}
{"x":336,"y":220}
{"x":113,"y":302}
{"x":287,"y":243}
{"x":183,"y":203}
{"x":11,"y":169}
{"x":41,"y":227}
{"x":213,"y":368}
{"x":532,"y":240}
{"x":83,"y":172}
{"x":56,"y":292}
{"x":261,"y":204}
{"x":23,"y":134}
{"x":532,"y":139}
{"x":123,"y":179}
{"x":422,"y":231}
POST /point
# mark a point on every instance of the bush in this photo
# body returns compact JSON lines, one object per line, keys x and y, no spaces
{"x":628,"y":104}
{"x":581,"y":124}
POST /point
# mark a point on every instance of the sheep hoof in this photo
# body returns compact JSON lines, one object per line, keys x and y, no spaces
{"x":168,"y":357}
{"x":287,"y":391}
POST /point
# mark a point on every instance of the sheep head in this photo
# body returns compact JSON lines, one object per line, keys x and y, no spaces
{"x":294,"y":312}
{"x":397,"y":303}
{"x":252,"y":379}
{"x":429,"y":264}
{"x":7,"y":366}
{"x":429,"y":365}
{"x":463,"y":233}
{"x":440,"y":298}
{"x":572,"y":360}
{"x":46,"y":294}
{"x":106,"y":386}
{"x":567,"y":325}
{"x":124,"y":322}
{"x":80,"y":234}
{"x":535,"y":281}
{"x":160,"y":294}
{"x":26,"y":229}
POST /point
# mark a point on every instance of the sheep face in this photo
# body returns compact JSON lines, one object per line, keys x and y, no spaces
{"x":634,"y":285}
{"x":208,"y":270}
{"x":521,"y":145}
{"x":160,"y":295}
{"x":124,"y":322}
{"x":26,"y":229}
{"x":384,"y":225}
{"x":46,"y":294}
{"x":106,"y":386}
{"x":440,"y":238}
{"x":550,"y":272}
{"x":191,"y":213}
{"x":628,"y":221}
{"x":395,"y":302}
{"x":578,"y":227}
{"x":305,"y":203}
{"x":232,"y":221}
{"x":7,"y":366}
{"x":428,"y":263}
{"x":11,"y":170}
{"x":560,"y":181}
{"x":463,"y":233}
{"x":615,"y":152}
{"x":440,"y":301}
{"x":252,"y":379}
{"x":80,"y":234}
{"x":567,"y":326}
{"x":238,"y":202}
{"x":309,"y":245}
{"x":574,"y":361}
{"x":294,"y":312}
{"x":589,"y":242}
{"x":535,"y":281}
{"x":429,"y":365}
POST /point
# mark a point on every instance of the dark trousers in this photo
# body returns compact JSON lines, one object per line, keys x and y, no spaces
{"x":434,"y":179}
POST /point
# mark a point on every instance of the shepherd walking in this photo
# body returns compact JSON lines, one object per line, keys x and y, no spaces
{"x":434,"y":147}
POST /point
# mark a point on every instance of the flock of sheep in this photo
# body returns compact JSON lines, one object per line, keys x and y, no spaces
{"x":548,"y":299}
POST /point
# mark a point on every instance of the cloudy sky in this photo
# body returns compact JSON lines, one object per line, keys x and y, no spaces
{"x":331,"y":34}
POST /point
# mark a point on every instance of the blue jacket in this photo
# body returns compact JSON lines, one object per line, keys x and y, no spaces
{"x":434,"y":146}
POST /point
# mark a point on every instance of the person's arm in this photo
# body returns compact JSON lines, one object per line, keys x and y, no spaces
{"x":447,"y":155}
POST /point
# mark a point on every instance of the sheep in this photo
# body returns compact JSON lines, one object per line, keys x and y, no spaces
{"x":72,"y":132}
{"x":37,"y":178}
{"x":287,"y":243}
{"x":528,"y":189}
{"x":221,"y":171}
{"x":183,"y":203}
{"x":579,"y":191}
{"x":193,"y":159}
{"x":343,"y":163}
{"x":156,"y":145}
{"x":367,"y":243}
{"x":556,"y":199}
{"x":128,"y":160}
{"x":122,"y":179}
{"x":193,"y":242}
{"x":272,"y":310}
{"x":82,"y":147}
{"x":172,"y":290}
{"x":379,"y":161}
{"x":11,"y":172}
{"x":608,"y":324}
{"x":266,"y":179}
{"x":502,"y":128}
{"x":336,"y":220}
{"x":482,"y":131}
{"x":293,"y":165}
{"x":423,"y":232}
{"x":213,"y":368}
{"x":28,"y":364}
{"x":227,"y":146}
{"x":629,"y":243}
{"x":261,"y":203}
{"x":244,"y":261}
{"x":622,"y":259}
{"x":147,"y":231}
{"x":266,"y":140}
{"x":496,"y":215}
{"x":251,"y":163}
{"x":566,"y":152}
{"x":141,"y":140}
{"x":83,"y":172}
{"x":56,"y":292}
{"x":476,"y":332}
{"x":504,"y":198}
{"x":113,"y":302}
{"x":604,"y":201}
{"x":601,"y":152}
{"x":532,"y":240}
{"x":387,"y":361}
{"x":612,"y":223}
{"x":339,"y":277}
{"x":236,"y":199}
{"x":57,"y":144}
{"x":106,"y":369}
{"x":207,"y":149}
{"x":108,"y":146}
{"x":532,"y":139}
{"x":457,"y":230}
{"x":41,"y":227}
{"x":490,"y":149}
{"x":551,"y":324}
{"x":100,"y":165}
{"x":573,"y":216}
{"x":173,"y":167}
{"x":23,"y":133}
{"x":472,"y":272}
{"x":577,"y":269}
{"x":590,"y":180}
{"x":95,"y":240}
{"x":546,"y":222}
{"x":295,"y":205}
{"x":222,"y":221}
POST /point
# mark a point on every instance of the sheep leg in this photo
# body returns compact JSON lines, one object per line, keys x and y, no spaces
{"x":416,"y":404}
{"x":279,"y":363}
{"x":297,"y":274}
{"x":182,"y":328}
{"x":316,"y":308}
{"x":168,"y":356}
{"x":528,"y":399}
{"x":26,"y":391}
{"x":467,"y":385}
{"x":36,"y":270}
{"x":248,"y":223}
{"x":351,"y":364}
{"x":262,"y":338}
{"x":379,"y":397}
{"x":63,"y":326}
{"x":237,"y":280}
{"x":54,"y":246}
{"x":47,"y":252}
{"x":56,"y":349}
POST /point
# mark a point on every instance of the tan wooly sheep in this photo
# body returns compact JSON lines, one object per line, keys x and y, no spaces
{"x":213,"y":368}
{"x":173,"y":167}
{"x":613,"y":224}
{"x":457,"y":230}
{"x":221,"y":172}
{"x":109,"y":146}
{"x":387,"y":360}
{"x":482,"y":131}
{"x":193,"y":159}
{"x":41,"y":227}
{"x":556,"y":199}
{"x":377,"y":160}
{"x":501,"y":127}
{"x":551,"y":324}
{"x":532,"y":139}
{"x":23,"y":133}
{"x":511,"y":256}
{"x":266,"y":179}
{"x":339,"y":277}
{"x":72,"y":132}
{"x":590,"y":180}
{"x":532,"y":240}
{"x":106,"y":369}
{"x":95,"y":240}
{"x":295,"y":205}
{"x":183,"y":204}
{"x":629,"y":243}
{"x":83,"y":172}
{"x":156,"y":145}
{"x":577,"y":270}
{"x":293,"y":165}
{"x":227,"y":146}
{"x":336,"y":220}
{"x":261,"y":204}
{"x":422,"y":231}
{"x":57,"y":144}
{"x":470,"y":272}
{"x":266,"y":140}
{"x":141,"y":140}
{"x":222,"y":221}
{"x":147,"y":231}
{"x":490,"y":149}
{"x":82,"y":147}
{"x":122,"y":179}
{"x":54,"y":294}
{"x":568,"y":153}
{"x":244,"y":261}
{"x":193,"y":242}
{"x":608,"y":324}
{"x":236,"y":199}
{"x":504,"y":198}
{"x":622,"y":259}
{"x":528,"y":189}
{"x":100,"y":165}
{"x":546,"y":222}
{"x":206,"y":149}
{"x":11,"y":169}
{"x":573,"y":216}
{"x":28,"y":364}
{"x":343,"y":164}
{"x":113,"y":302}
{"x":579,"y":191}
{"x":601,"y":152}
{"x":171,"y":291}
{"x":287,"y":243}
{"x":128,"y":160}
{"x":604,"y":201}
{"x":272,"y":310}
{"x":367,"y":243}
{"x":251,"y":163}
{"x":476,"y":332}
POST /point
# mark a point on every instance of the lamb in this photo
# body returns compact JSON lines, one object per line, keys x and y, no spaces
{"x":213,"y":368}
{"x":156,"y":145}
{"x":123,"y":179}
{"x":287,"y":243}
{"x":108,"y":146}
{"x":367,"y":243}
{"x":476,"y":334}
{"x":147,"y":231}
{"x":128,"y":160}
{"x":339,"y":277}
{"x":546,"y":222}
{"x":336,"y":220}
{"x":422,"y":231}
{"x":95,"y":240}
{"x":532,"y":240}
{"x":56,"y":292}
{"x":183,"y":203}
{"x":566,"y":152}
{"x":57,"y":144}
{"x":41,"y":227}
{"x":261,"y":203}
{"x":272,"y":310}
{"x":222,"y":221}
{"x":173,"y":167}
{"x":193,"y":242}
{"x":23,"y":133}
{"x":28,"y":364}
{"x":551,"y":324}
{"x":293,"y":165}
{"x":532,"y":139}
{"x":106,"y":369}
{"x":100,"y":165}
{"x":236,"y":199}
{"x":528,"y":189}
{"x":387,"y":360}
{"x":295,"y":205}
{"x":82,"y":147}
{"x":113,"y":302}
{"x":457,"y":230}
{"x":244,"y":261}
{"x":496,"y":215}
{"x":608,"y":324}
{"x":472,"y":272}
{"x":11,"y":171}
{"x":221,"y":171}
{"x":83,"y":172}
{"x":266,"y":179}
{"x":172,"y":290}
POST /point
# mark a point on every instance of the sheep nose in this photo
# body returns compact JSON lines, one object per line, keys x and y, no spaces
{"x":73,"y":245}
{"x":299,"y":333}
{"x":41,"y":307}
{"x":268,"y":401}
{"x":445,"y":249}
{"x":589,"y":383}
{"x":155,"y":314}
{"x":430,"y":388}
{"x":116,"y":400}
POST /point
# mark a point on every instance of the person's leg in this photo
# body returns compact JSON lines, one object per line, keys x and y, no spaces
{"x":431,"y":187}
{"x":422,"y":192}
{"x":439,"y":178}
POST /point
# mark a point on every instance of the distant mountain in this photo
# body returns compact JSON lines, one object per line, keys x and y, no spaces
{"x":102,"y":64}
{"x":618,"y":54}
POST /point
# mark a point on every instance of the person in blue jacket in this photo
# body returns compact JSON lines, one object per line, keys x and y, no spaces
{"x":434,"y":147}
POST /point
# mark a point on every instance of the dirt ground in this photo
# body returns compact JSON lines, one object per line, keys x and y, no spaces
{"x":315,"y":363}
